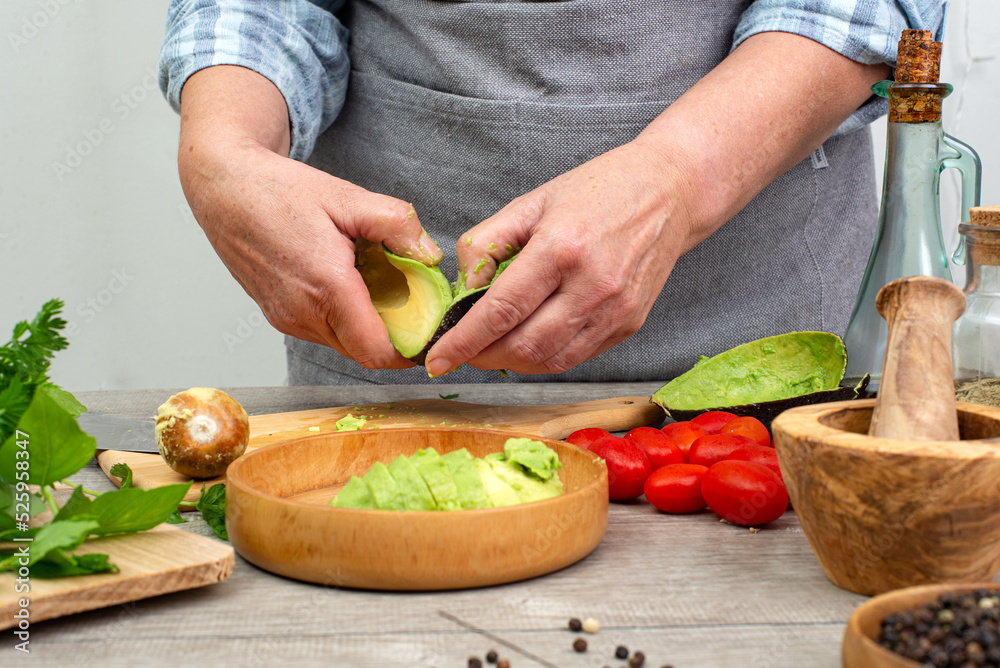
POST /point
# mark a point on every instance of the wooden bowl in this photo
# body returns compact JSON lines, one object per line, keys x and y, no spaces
{"x":883,"y":514}
{"x":860,"y":649}
{"x":278,"y":517}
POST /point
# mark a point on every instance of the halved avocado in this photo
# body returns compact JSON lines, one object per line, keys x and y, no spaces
{"x":415,"y":301}
{"x":410,"y":297}
{"x":762,"y":378}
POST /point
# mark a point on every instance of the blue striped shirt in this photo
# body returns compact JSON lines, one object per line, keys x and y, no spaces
{"x":301,"y":47}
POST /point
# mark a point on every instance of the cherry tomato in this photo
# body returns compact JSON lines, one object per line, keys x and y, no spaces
{"x":750,"y":427}
{"x":744,"y":493}
{"x":683,"y":434}
{"x":659,"y":447}
{"x":676,"y":488}
{"x":712,"y":421}
{"x":758,"y":454}
{"x":628,"y":466}
{"x":582,"y":438}
{"x":714,"y":448}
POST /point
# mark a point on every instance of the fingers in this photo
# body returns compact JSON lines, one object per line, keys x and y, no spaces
{"x":529,"y":281}
{"x":359,"y":213}
{"x":494,"y":240}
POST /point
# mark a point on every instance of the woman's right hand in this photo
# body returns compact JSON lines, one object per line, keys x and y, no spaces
{"x":285,"y":230}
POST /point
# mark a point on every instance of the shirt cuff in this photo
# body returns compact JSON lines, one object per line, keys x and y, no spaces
{"x":297,"y":46}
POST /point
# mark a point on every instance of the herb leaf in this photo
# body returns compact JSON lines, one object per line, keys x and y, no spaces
{"x":125,"y":510}
{"x":59,"y":564}
{"x":53,"y":536}
{"x":56,"y":446}
{"x":175,"y":518}
{"x":123,"y":471}
{"x":24,"y":362}
{"x":212,"y":505}
{"x":449,"y":396}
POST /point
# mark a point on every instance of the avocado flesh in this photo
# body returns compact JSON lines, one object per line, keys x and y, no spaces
{"x":527,"y":488}
{"x":410,"y":297}
{"x":435,"y":474}
{"x":355,"y":494}
{"x":455,"y":481}
{"x":416,"y":494}
{"x":499,"y":492}
{"x":532,"y":456}
{"x":385,"y":492}
{"x":777,"y":372}
{"x":470,"y":488}
{"x":416,"y":302}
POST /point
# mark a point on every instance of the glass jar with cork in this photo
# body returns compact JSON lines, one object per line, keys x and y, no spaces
{"x":977,"y":331}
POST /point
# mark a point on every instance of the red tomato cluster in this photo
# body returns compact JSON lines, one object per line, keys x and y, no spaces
{"x":718,"y":459}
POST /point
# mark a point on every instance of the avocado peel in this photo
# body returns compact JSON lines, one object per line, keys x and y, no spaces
{"x":762,"y":378}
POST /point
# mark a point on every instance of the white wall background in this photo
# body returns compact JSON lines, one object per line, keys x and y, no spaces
{"x":91,"y":210}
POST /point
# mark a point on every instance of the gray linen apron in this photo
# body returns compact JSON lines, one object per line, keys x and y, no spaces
{"x":459,"y":107}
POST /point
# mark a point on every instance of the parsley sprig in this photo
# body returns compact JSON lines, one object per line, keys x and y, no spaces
{"x":41,"y":445}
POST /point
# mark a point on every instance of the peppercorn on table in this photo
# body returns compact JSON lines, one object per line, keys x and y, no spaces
{"x":685,"y":590}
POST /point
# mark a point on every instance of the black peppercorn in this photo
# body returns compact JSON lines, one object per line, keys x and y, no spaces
{"x":580,"y":645}
{"x":575,"y":624}
{"x":637,"y":660}
{"x":621,"y":652}
{"x":491,"y":657}
{"x":475,"y":662}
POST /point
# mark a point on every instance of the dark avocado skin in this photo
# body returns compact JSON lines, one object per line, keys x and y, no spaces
{"x":766,"y":411}
{"x":449,"y":320}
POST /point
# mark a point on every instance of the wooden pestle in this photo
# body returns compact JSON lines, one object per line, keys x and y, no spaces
{"x":916,"y":396}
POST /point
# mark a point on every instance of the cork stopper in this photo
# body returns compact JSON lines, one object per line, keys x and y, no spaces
{"x":918,"y":58}
{"x":918,"y":61}
{"x":983,"y":245}
{"x":985,"y":216}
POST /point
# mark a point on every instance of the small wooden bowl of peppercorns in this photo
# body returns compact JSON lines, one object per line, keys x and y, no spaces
{"x":940,"y":625}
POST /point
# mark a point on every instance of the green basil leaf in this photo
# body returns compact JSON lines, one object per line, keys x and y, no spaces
{"x":10,"y":534}
{"x":56,"y":445}
{"x":125,"y":510}
{"x":175,"y":518}
{"x":66,"y":535}
{"x":212,"y":504}
{"x":59,"y":564}
{"x":123,"y":471}
{"x":66,"y":400}
{"x":77,"y":507}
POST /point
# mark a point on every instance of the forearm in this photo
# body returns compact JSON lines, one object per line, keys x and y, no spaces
{"x":773,"y":101}
{"x":229,"y":104}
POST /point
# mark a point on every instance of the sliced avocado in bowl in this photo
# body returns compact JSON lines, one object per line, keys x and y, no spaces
{"x":416,"y":302}
{"x":762,"y":378}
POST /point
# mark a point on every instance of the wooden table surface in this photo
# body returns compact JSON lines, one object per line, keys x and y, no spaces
{"x":686,"y":590}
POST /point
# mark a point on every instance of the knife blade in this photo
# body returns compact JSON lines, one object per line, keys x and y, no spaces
{"x":114,"y":433}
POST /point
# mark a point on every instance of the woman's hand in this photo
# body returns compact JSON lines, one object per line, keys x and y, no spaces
{"x":285,"y":230}
{"x":598,"y":244}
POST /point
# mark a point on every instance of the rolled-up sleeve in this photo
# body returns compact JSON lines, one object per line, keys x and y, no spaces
{"x":866,"y":31}
{"x":299,"y":46}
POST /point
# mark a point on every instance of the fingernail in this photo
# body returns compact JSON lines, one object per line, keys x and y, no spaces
{"x":438,"y":366}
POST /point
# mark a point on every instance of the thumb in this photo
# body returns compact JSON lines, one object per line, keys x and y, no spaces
{"x":360,"y":213}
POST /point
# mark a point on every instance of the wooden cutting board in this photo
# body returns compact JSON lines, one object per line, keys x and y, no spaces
{"x":555,"y":421}
{"x":159,"y":561}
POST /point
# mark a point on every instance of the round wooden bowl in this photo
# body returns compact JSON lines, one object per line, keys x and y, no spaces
{"x":883,"y":514}
{"x":278,"y":516}
{"x":860,"y":649}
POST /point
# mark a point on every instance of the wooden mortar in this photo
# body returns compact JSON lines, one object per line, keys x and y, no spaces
{"x":917,"y":499}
